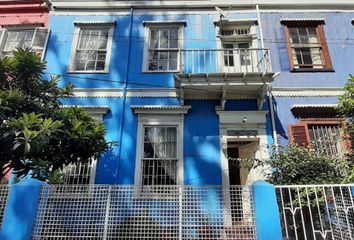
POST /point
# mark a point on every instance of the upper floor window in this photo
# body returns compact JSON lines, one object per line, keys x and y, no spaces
{"x":162,"y":46}
{"x":15,"y":38}
{"x":91,"y":48}
{"x":307,"y":47}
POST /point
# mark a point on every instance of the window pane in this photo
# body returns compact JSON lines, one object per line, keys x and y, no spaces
{"x":40,"y":38}
{"x":153,"y":65}
{"x":154,"y":39}
{"x":174,"y":38}
{"x":304,"y":38}
{"x":100,"y":65}
{"x":173,"y":55}
{"x":164,"y":38}
{"x":294,"y":38}
{"x":148,"y":150}
{"x":84,"y":39}
{"x":103,"y":39}
{"x":173,"y":65}
{"x":162,"y":65}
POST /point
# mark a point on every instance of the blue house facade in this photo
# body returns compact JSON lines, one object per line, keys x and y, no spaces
{"x":189,"y":90}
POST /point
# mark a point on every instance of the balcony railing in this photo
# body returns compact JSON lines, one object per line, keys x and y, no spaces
{"x":238,"y":60}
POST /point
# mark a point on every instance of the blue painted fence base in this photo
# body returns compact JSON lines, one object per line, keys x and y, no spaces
{"x":20,"y":211}
{"x":266,"y":211}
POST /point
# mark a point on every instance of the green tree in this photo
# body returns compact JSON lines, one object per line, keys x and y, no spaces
{"x":37,"y":135}
{"x":293,"y":164}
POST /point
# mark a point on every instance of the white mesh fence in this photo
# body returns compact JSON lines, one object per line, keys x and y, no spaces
{"x":4,"y":192}
{"x":149,"y":212}
{"x":315,"y":212}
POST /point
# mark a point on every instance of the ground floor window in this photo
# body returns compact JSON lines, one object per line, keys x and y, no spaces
{"x":159,"y":162}
{"x":79,"y":173}
{"x":326,"y":137}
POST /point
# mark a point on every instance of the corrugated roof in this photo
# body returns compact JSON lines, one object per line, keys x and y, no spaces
{"x":95,"y":22}
{"x":313,"y":106}
{"x":184,"y":22}
{"x":160,"y":107}
{"x":87,"y":107}
{"x":302,"y":20}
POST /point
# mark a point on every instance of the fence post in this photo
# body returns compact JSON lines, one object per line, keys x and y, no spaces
{"x":20,"y":211}
{"x":266,"y":211}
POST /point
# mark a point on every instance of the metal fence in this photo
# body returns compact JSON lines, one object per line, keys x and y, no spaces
{"x":234,"y":60}
{"x":317,"y":211}
{"x":149,"y":212}
{"x":4,"y":192}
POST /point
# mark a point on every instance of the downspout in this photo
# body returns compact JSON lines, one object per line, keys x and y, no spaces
{"x":125,"y":93}
{"x":270,"y":96}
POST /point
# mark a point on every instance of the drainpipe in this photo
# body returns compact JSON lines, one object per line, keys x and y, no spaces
{"x":270,"y":96}
{"x":272,"y":119}
{"x":260,"y":26}
{"x":125,"y":93}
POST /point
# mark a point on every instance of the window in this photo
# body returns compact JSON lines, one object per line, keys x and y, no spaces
{"x":159,"y":151}
{"x":92,"y":47}
{"x":12,"y":39}
{"x":162,"y":48}
{"x":307,"y":46}
{"x":159,"y":162}
{"x":323,"y":136}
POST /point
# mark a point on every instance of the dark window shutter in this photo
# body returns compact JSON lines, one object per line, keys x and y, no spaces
{"x":299,"y":134}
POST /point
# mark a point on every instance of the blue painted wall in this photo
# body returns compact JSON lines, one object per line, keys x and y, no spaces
{"x":339,"y":34}
{"x":283,"y":115}
{"x":201,"y":141}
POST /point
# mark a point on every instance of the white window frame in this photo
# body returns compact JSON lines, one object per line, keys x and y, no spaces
{"x":87,"y":25}
{"x":147,"y":31}
{"x":145,"y":120}
{"x":4,"y":33}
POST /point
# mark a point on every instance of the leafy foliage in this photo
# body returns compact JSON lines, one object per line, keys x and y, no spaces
{"x":346,"y":109}
{"x":37,"y":135}
{"x":300,"y":165}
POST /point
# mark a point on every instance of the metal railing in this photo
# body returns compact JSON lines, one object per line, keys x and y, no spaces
{"x":238,"y":60}
{"x":317,"y":211}
{"x":150,"y":212}
{"x":4,"y":193}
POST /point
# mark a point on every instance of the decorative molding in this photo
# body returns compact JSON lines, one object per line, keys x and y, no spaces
{"x":165,"y":22}
{"x":160,"y":109}
{"x":302,"y":20}
{"x":98,"y":92}
{"x":99,"y":23}
{"x":307,"y":92}
{"x":242,"y":117}
{"x":313,"y":106}
{"x":151,"y":92}
{"x":246,"y":21}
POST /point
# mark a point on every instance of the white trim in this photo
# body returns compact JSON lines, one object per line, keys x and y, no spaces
{"x":302,"y":20}
{"x":97,"y":92}
{"x":313,"y":106}
{"x":86,"y":25}
{"x":151,"y":92}
{"x":165,"y":22}
{"x":90,"y":4}
{"x":145,"y":67}
{"x":160,"y":109}
{"x":307,"y":92}
{"x":153,"y":118}
{"x":96,"y":111}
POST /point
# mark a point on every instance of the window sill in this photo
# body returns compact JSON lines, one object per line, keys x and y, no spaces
{"x":88,"y":72}
{"x":295,"y":70}
{"x":171,"y":71}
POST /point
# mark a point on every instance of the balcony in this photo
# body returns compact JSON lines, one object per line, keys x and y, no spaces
{"x":225,"y":73}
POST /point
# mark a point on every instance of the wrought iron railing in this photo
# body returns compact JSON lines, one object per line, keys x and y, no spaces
{"x":238,"y":60}
{"x":150,"y":212}
{"x":4,"y":192}
{"x":317,"y":211}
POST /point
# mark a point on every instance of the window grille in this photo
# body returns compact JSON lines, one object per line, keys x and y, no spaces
{"x":159,"y":162}
{"x":79,"y":173}
{"x":326,"y":139}
{"x":163,"y":49}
